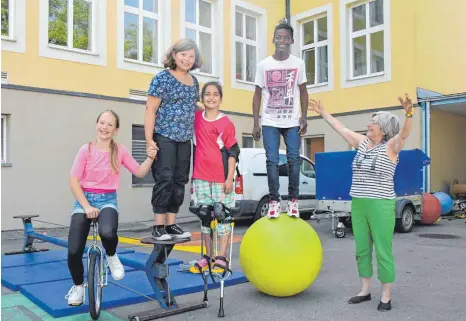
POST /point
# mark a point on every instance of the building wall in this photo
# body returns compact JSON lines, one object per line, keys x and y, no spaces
{"x":440,"y":63}
{"x":358,"y":122}
{"x":44,"y":134}
{"x":31,"y":68}
{"x":447,"y":150}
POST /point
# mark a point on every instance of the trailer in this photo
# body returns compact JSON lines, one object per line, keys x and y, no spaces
{"x":333,"y":183}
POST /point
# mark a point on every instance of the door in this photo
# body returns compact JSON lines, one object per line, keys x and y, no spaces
{"x":313,"y":145}
{"x":307,"y":178}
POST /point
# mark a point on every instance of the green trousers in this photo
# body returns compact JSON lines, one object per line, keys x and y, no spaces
{"x":373,"y":223}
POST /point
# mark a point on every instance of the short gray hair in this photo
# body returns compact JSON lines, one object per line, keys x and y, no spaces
{"x":182,"y":45}
{"x":389,"y":124}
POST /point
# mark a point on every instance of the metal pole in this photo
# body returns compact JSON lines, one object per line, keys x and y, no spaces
{"x":287,"y":9}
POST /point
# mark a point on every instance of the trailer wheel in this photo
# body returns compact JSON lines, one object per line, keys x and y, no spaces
{"x":405,"y":223}
{"x":340,"y":233}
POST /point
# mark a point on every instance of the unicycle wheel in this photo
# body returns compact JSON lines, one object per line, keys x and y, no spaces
{"x":94,"y":285}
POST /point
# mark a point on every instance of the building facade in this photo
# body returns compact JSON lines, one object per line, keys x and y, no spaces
{"x":70,"y":60}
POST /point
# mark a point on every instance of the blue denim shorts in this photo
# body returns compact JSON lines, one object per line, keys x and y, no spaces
{"x":97,"y":200}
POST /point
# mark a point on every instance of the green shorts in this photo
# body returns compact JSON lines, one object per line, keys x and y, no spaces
{"x":208,"y":193}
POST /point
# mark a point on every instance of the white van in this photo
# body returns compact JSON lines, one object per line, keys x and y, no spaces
{"x":252,"y":190}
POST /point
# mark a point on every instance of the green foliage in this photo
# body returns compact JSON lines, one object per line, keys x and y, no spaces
{"x":5,"y":18}
{"x":58,"y":23}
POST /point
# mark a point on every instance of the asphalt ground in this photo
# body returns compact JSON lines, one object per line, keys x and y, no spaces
{"x":430,"y":285}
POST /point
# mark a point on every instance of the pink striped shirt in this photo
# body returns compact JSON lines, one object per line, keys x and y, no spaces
{"x":94,"y":170}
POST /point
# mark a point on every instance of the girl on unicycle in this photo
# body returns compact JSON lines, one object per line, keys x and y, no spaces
{"x":94,"y":180}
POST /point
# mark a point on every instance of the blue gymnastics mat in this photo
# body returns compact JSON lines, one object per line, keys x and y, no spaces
{"x":45,"y":280}
{"x":17,"y":275}
{"x":43,"y":257}
{"x":117,"y":293}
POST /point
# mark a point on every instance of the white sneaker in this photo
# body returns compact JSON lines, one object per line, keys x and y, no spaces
{"x":293,"y":210}
{"x":76,"y":295}
{"x":274,"y":210}
{"x":116,"y":268}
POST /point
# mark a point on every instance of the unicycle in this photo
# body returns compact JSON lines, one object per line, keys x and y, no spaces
{"x":96,"y":270}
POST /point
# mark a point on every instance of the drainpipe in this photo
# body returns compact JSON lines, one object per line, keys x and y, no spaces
{"x":287,"y":10}
{"x":427,"y":115}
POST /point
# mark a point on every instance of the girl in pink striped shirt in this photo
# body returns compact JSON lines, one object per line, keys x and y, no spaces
{"x":94,"y":180}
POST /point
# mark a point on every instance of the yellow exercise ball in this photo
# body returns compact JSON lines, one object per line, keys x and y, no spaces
{"x":281,"y":257}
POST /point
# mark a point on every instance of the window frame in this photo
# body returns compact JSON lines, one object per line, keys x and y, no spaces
{"x":98,"y":53}
{"x":217,"y":38}
{"x":297,"y":22}
{"x":248,"y":136}
{"x":16,"y":39}
{"x":260,"y":14}
{"x":5,"y":156}
{"x":164,"y":39}
{"x":346,"y":40}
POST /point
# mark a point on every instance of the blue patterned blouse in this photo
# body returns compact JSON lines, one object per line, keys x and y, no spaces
{"x":175,"y":115}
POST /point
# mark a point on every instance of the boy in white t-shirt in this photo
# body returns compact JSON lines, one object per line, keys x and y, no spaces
{"x":281,"y":83}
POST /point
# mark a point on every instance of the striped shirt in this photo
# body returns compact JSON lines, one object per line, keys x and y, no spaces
{"x":373,"y":173}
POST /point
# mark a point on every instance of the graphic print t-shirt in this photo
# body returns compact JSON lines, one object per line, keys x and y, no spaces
{"x":279,"y":81}
{"x":211,"y":139}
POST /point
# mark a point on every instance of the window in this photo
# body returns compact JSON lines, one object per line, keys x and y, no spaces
{"x":245,"y":46}
{"x":4,"y":139}
{"x":202,"y":21}
{"x":73,"y":30}
{"x":142,"y":18}
{"x":6,"y":19}
{"x":198,"y":26}
{"x":138,"y":150}
{"x":248,"y":43}
{"x":313,"y":145}
{"x":366,"y":51}
{"x":313,"y":36}
{"x":13,"y":25}
{"x":314,"y":50}
{"x":248,"y":142}
{"x":143,"y":34}
{"x":70,"y":24}
{"x":307,"y":169}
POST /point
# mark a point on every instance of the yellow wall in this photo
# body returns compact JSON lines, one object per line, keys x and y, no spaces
{"x":441,"y":45}
{"x":428,"y":50}
{"x":447,"y":150}
{"x":30,"y":69}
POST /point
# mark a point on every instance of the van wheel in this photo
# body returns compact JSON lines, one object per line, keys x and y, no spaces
{"x":262,"y":208}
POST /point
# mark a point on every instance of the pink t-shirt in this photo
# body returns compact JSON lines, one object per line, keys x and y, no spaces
{"x":95,"y":172}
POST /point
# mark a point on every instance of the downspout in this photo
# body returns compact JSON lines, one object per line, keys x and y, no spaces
{"x":427,"y":115}
{"x":287,"y":10}
{"x":423,"y":144}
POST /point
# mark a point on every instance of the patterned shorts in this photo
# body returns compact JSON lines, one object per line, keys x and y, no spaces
{"x":207,"y":193}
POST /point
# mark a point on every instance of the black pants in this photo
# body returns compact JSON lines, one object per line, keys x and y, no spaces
{"x":79,"y":230}
{"x":171,"y":173}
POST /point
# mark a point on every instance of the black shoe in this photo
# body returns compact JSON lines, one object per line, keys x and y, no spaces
{"x":359,"y":298}
{"x":176,"y":232}
{"x":159,"y":233}
{"x":385,"y":306}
